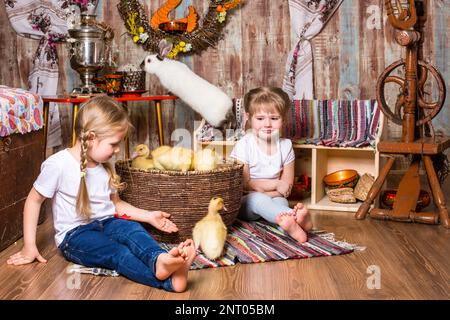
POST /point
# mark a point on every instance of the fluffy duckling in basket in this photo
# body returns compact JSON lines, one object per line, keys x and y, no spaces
{"x":205,"y":160}
{"x":140,"y":158}
{"x":173,"y":159}
{"x":156,"y":155}
{"x":210,"y":232}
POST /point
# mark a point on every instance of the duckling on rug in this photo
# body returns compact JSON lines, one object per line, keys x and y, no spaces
{"x":210,"y":232}
{"x":140,"y":158}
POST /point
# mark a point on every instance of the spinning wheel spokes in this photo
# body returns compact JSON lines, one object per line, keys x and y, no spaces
{"x":428,"y":109}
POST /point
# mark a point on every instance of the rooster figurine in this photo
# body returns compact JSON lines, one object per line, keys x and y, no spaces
{"x":162,"y":15}
{"x":210,"y":232}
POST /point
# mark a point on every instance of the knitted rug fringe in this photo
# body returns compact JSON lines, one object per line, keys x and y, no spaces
{"x":331,"y":237}
{"x":76,"y":268}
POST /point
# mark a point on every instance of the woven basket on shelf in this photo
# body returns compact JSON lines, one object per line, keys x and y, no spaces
{"x":363,"y":186}
{"x":133,"y":80}
{"x":185,"y":195}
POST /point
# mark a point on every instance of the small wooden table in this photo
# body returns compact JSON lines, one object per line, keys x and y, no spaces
{"x":76,"y":105}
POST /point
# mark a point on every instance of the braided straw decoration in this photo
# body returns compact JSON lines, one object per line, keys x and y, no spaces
{"x":185,"y":195}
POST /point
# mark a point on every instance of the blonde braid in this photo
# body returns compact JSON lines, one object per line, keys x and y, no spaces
{"x":114,"y":179}
{"x":82,"y":205}
{"x":84,"y":147}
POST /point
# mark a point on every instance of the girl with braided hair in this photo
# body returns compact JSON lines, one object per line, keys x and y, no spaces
{"x":84,"y":192}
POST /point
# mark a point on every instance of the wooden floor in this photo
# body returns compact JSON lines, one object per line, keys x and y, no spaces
{"x":414,"y":263}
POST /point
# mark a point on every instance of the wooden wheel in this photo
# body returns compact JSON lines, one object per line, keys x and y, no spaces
{"x":429,"y":108}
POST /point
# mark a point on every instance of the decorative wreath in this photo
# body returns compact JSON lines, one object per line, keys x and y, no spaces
{"x":185,"y":34}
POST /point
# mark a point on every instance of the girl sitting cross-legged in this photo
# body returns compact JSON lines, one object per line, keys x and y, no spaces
{"x":83,"y":188}
{"x":269,"y":164}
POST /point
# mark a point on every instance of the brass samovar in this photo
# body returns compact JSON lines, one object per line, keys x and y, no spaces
{"x":89,"y":47}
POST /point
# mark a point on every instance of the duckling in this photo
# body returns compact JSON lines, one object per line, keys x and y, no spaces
{"x":210,"y":232}
{"x":205,"y":160}
{"x":177,"y":159}
{"x":157,"y":154}
{"x":140,"y":158}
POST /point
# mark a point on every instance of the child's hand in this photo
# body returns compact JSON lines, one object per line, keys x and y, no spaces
{"x":25,"y":256}
{"x":160,"y":220}
{"x":284,"y":188}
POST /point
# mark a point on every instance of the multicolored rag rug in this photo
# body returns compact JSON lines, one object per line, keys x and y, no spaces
{"x":343,"y":123}
{"x":254,"y":242}
{"x":261,"y":241}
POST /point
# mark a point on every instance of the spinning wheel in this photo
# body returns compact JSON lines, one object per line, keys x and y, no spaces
{"x":429,"y":109}
{"x":412,"y":109}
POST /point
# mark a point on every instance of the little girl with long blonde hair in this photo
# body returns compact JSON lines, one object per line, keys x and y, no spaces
{"x":84,"y":192}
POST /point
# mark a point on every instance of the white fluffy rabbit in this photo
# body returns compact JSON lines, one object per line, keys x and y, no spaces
{"x":208,"y":100}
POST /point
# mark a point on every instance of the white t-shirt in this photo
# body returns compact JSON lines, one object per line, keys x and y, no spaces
{"x":60,"y":178}
{"x":262,"y":165}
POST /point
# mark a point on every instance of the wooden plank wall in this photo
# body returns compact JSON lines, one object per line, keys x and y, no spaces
{"x":349,"y":54}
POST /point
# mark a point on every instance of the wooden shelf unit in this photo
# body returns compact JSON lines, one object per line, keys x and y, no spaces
{"x":318,"y":161}
{"x":324,"y":160}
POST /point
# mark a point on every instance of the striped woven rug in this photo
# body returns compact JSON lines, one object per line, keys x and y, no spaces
{"x":260,"y":241}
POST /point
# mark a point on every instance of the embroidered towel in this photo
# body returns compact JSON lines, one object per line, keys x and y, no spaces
{"x":46,"y":21}
{"x":308,"y":17}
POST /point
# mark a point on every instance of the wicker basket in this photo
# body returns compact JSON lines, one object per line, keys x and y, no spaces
{"x":185,"y":195}
{"x":363,"y":186}
{"x":133,"y":80}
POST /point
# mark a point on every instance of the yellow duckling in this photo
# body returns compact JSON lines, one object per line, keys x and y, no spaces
{"x":205,"y":160}
{"x":210,"y":232}
{"x":176,"y":159}
{"x":140,"y":157}
{"x":157,"y":154}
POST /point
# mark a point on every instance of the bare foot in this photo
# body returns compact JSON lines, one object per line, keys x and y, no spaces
{"x":302,"y":216}
{"x":180,"y":276}
{"x":287,"y":222}
{"x":167,"y":263}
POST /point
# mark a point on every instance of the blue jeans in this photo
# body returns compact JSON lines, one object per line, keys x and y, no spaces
{"x":116,"y":244}
{"x":257,"y":205}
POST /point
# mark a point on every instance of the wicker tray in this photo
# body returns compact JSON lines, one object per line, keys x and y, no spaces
{"x":185,"y":195}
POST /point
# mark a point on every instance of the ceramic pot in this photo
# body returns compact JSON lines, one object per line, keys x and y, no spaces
{"x":113,"y":84}
{"x":388,"y":199}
